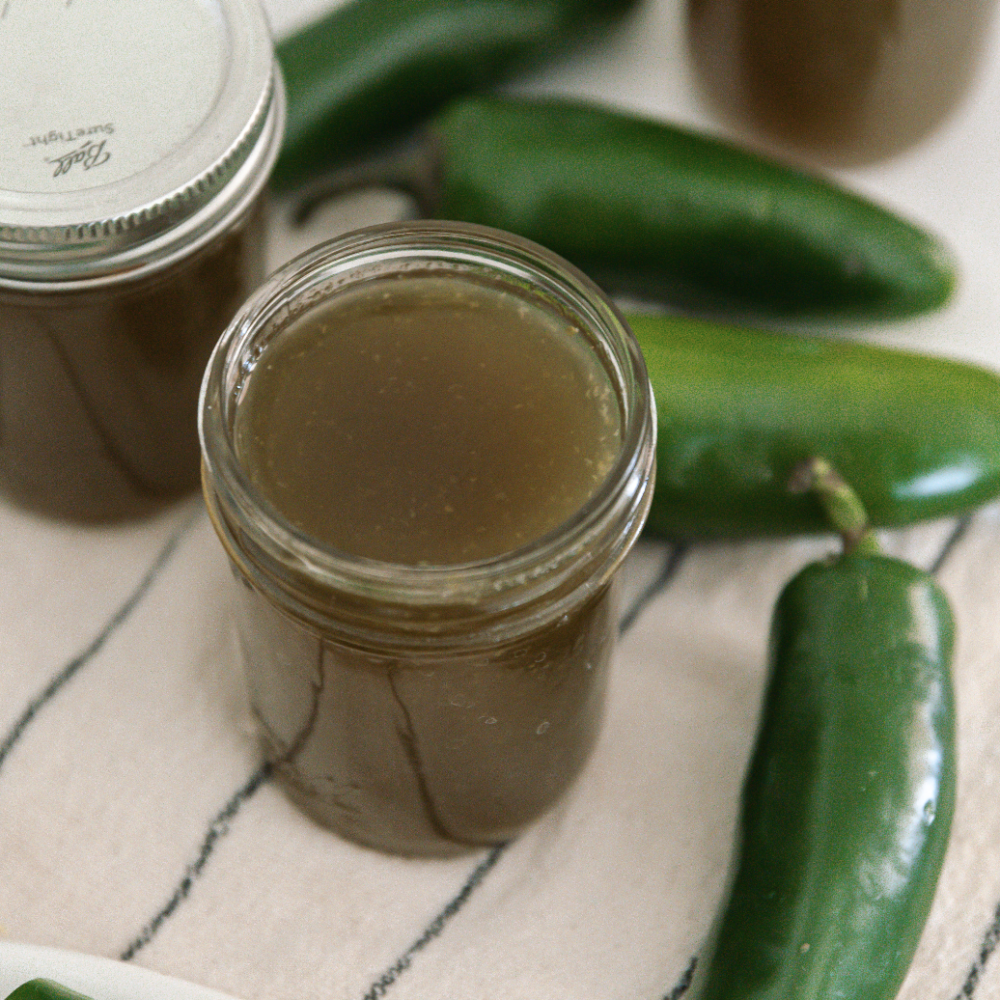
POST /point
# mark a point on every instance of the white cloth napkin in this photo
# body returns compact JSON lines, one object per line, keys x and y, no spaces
{"x":134,"y":821}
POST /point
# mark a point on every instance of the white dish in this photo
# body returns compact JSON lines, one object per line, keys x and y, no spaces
{"x":98,"y":978}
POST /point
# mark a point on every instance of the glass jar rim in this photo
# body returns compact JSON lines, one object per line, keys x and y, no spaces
{"x":559,"y":568}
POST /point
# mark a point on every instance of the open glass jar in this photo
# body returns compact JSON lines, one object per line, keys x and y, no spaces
{"x":136,"y":151}
{"x":427,"y":449}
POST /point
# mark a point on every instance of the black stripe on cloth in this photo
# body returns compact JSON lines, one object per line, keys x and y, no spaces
{"x":381,"y":986}
{"x":986,"y":948}
{"x":675,"y":556}
{"x":959,"y":532}
{"x":684,"y":982}
{"x":991,"y":936}
{"x":989,"y":943}
{"x":217,"y":829}
{"x":118,"y":619}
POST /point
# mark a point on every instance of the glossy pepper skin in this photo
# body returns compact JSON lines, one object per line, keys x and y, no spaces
{"x":850,"y":792}
{"x":917,"y":437}
{"x":668,"y":214}
{"x":372,"y":68}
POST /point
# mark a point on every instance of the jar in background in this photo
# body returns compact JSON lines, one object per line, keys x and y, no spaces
{"x":138,"y":139}
{"x":427,"y":450}
{"x":851,"y":81}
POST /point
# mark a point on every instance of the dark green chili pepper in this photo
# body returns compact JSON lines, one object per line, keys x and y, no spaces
{"x":371,"y":68}
{"x":668,"y":214}
{"x":737,"y":409}
{"x":45,"y":989}
{"x":849,"y":796}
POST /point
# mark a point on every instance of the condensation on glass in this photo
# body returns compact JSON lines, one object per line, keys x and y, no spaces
{"x":137,"y":141}
{"x":851,"y":81}
{"x":427,"y":450}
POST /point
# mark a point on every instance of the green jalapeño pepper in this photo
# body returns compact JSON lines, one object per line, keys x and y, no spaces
{"x":850,"y":791}
{"x":371,"y":68}
{"x":737,"y":409}
{"x":45,"y":989}
{"x":665,"y":213}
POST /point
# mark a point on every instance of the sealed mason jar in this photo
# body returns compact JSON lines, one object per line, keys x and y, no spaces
{"x":851,"y":81}
{"x":137,"y":139}
{"x":427,"y":449}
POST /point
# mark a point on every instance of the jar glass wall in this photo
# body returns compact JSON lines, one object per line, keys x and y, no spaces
{"x":99,"y":387}
{"x":848,"y":80}
{"x":434,"y":703}
{"x":129,"y":236}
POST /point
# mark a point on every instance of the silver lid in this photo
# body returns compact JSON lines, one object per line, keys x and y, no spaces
{"x":129,"y":129}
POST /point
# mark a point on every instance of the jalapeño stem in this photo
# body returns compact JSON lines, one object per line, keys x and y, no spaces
{"x":843,"y":507}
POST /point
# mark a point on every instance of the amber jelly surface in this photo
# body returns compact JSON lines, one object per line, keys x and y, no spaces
{"x":429,"y":420}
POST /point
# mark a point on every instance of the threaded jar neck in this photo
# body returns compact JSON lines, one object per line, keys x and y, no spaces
{"x":462,"y":605}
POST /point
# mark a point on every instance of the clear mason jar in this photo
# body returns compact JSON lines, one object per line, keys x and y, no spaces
{"x":425,"y":708}
{"x":138,"y":142}
{"x":850,"y":81}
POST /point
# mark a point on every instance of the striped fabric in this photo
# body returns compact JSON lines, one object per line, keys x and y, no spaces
{"x":137,"y":820}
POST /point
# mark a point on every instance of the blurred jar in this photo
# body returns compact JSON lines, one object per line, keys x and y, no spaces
{"x":427,"y":654}
{"x":138,"y":139}
{"x":849,"y":80}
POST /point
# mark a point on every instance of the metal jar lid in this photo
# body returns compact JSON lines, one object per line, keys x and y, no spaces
{"x":130,"y":130}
